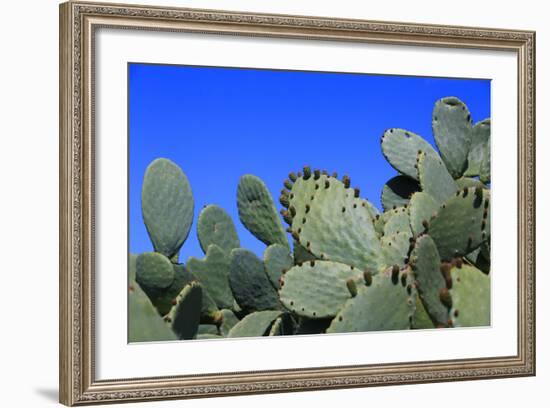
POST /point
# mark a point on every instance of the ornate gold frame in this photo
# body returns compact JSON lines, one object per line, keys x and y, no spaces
{"x":78,"y":21}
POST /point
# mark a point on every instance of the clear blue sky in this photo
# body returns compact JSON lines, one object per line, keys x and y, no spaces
{"x":220,"y":123}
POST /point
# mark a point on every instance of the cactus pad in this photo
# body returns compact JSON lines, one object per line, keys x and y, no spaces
{"x":481,"y":135}
{"x":434,"y":178}
{"x":215,"y":226}
{"x":213,"y":274}
{"x":471,"y":294}
{"x":167,"y":205}
{"x":154,"y":271}
{"x":398,"y":222}
{"x":397,"y":192}
{"x":229,"y":320}
{"x":334,"y":224}
{"x":400,"y":147}
{"x":249,"y":282}
{"x":277,"y":258}
{"x":430,"y":281}
{"x":257,"y":211}
{"x":421,"y":319}
{"x":384,"y":305}
{"x":421,"y":209}
{"x":144,"y":323}
{"x":463,"y":223}
{"x":452,"y":128}
{"x":255,"y":324}
{"x":185,"y":315}
{"x":317,"y":289}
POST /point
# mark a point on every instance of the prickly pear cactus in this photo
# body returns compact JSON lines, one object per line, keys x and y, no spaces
{"x":423,"y":263}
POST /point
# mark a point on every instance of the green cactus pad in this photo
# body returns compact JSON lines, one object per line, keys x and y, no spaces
{"x":255,"y":324}
{"x":154,"y":271}
{"x":421,"y":209}
{"x":400,"y":147}
{"x":452,"y":128}
{"x":207,"y":329}
{"x":333,"y":224}
{"x":481,"y":134}
{"x":257,"y":211}
{"x":397,"y":192}
{"x":395,"y":248}
{"x":384,"y":305}
{"x":398,"y":222}
{"x":430,"y":281}
{"x":229,"y":320}
{"x":208,"y":336}
{"x":184,"y":317}
{"x":167,"y":205}
{"x":471,"y":294}
{"x":249,"y":282}
{"x":144,"y":323}
{"x":467,"y":182}
{"x":434,"y":178}
{"x":277,"y":258}
{"x":213,"y":274}
{"x":317,"y":289}
{"x":215,"y":226}
{"x":462,"y":223}
{"x":421,"y":319}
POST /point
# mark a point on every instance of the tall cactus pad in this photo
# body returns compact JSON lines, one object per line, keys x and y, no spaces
{"x":421,"y":209}
{"x":434,"y":178}
{"x":384,"y":305}
{"x":400,"y":148}
{"x":144,"y":323}
{"x":167,"y":205}
{"x":481,"y":136}
{"x":213,"y":274}
{"x":257,"y":211}
{"x":398,"y":191}
{"x":154,"y":271}
{"x":317,"y":289}
{"x":249,"y":282}
{"x":185,"y":315}
{"x":452,"y":128}
{"x":471,"y":294}
{"x":430,"y":281}
{"x":334,"y":224}
{"x":462,"y":223}
{"x":255,"y":324}
{"x":277,"y":259}
{"x":215,"y":226}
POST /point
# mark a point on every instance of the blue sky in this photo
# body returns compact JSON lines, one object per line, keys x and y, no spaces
{"x":220,"y":123}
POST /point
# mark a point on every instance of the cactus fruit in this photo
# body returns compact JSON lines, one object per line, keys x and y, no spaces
{"x":423,"y":263}
{"x":167,"y":205}
{"x":257,"y":211}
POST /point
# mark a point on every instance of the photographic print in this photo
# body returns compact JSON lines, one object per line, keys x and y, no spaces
{"x":271,"y":202}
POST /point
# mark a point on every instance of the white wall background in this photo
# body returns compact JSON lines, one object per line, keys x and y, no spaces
{"x":29,"y":191}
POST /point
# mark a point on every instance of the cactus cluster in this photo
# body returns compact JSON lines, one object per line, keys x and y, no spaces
{"x":422,"y":263}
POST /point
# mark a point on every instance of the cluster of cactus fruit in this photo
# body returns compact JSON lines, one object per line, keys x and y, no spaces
{"x":422,"y":263}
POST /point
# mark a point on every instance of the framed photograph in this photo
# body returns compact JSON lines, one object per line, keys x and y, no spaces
{"x":255,"y":203}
